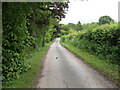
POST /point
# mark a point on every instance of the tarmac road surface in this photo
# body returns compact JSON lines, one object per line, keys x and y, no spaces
{"x":62,"y":69}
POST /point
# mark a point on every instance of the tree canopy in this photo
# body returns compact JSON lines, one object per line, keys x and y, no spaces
{"x":105,"y":19}
{"x":27,"y":26}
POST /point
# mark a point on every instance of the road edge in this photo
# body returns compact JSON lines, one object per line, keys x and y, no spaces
{"x":105,"y":76}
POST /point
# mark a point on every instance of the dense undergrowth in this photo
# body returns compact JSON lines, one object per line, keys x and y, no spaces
{"x":28,"y":78}
{"x":98,"y":46}
{"x":103,"y":41}
{"x":27,"y":26}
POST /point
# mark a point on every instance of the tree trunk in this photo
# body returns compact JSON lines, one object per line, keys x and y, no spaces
{"x":43,"y":42}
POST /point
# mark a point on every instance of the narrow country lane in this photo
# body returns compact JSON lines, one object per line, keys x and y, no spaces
{"x":62,"y":69}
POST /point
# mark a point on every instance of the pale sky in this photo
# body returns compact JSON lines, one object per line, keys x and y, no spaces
{"x":87,"y":11}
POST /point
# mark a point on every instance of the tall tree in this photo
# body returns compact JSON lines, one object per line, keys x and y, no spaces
{"x":105,"y":19}
{"x":26,"y":26}
{"x":79,"y":26}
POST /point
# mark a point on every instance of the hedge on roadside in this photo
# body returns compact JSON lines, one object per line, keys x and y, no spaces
{"x":103,"y":40}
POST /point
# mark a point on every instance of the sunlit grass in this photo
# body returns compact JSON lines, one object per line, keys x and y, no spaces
{"x":27,"y":79}
{"x":108,"y":69}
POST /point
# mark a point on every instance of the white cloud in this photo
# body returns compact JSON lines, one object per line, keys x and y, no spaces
{"x":90,"y":11}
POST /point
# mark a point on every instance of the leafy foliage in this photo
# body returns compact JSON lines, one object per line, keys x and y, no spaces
{"x":101,"y":40}
{"x":105,"y":19}
{"x":26,"y":26}
{"x":76,"y":27}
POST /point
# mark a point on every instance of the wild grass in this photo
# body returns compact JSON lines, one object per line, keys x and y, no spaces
{"x":106,"y":68}
{"x":27,"y":79}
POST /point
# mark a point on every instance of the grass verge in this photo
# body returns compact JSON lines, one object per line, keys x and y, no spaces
{"x":107,"y":69}
{"x":27,"y":79}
